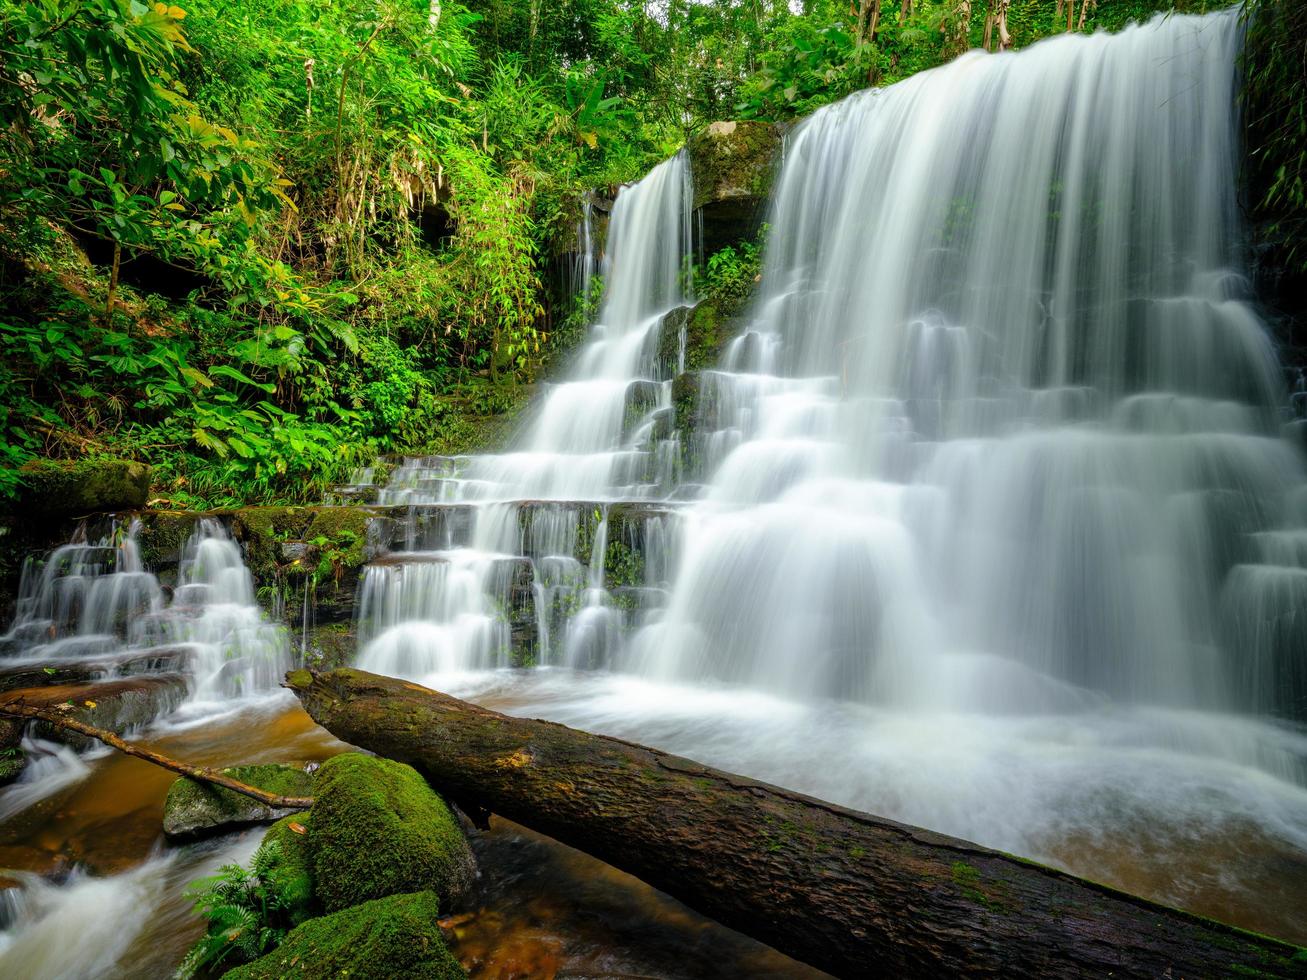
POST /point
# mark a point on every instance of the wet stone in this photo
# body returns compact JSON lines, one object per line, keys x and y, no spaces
{"x":195,"y":809}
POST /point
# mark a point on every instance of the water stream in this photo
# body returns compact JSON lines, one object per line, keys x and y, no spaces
{"x":984,"y":523}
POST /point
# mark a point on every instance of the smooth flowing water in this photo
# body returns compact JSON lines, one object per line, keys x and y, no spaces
{"x":985,"y":522}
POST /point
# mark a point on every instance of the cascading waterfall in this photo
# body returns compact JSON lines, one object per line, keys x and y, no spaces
{"x":987,"y":524}
{"x":97,"y":602}
{"x":1005,"y":419}
{"x":440,"y":606}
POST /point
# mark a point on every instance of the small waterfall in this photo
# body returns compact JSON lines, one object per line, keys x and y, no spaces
{"x":237,"y":651}
{"x":97,"y":602}
{"x":490,"y":547}
{"x":584,"y":261}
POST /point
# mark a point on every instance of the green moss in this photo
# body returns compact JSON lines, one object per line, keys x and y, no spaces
{"x":379,"y":940}
{"x":193,"y":807}
{"x":163,"y":536}
{"x":378,"y":829}
{"x":345,"y":529}
{"x":285,"y":852}
{"x":703,"y":336}
{"x":330,"y":645}
{"x":55,"y":487}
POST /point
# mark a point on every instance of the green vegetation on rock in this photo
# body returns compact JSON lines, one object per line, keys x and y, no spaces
{"x":49,"y":488}
{"x":249,"y":912}
{"x":378,"y":829}
{"x":384,"y":939}
{"x":194,"y":808}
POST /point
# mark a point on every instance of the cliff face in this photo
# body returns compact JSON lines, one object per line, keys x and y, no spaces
{"x":733,"y":165}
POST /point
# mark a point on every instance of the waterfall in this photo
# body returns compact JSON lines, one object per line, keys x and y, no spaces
{"x":1015,"y":429}
{"x":96,"y":603}
{"x":985,"y":522}
{"x":444,"y":604}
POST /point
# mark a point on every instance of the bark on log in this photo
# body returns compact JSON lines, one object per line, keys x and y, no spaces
{"x":203,"y":774}
{"x":854,"y":894}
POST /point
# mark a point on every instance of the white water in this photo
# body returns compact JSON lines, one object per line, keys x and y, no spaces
{"x":1014,"y":438}
{"x":97,"y":927}
{"x":997,"y":533}
{"x":441,"y":606}
{"x":97,"y":601}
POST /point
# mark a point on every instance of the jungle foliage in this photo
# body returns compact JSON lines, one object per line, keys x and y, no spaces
{"x":255,"y":244}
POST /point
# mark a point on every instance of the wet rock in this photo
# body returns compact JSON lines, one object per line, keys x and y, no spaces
{"x":641,"y":399}
{"x":695,"y":411}
{"x":195,"y":809}
{"x":397,"y":936}
{"x":327,"y":646}
{"x":378,"y":829}
{"x":63,"y":672}
{"x":294,"y":550}
{"x":734,"y":164}
{"x":707,"y":328}
{"x":162,"y":539}
{"x":51,"y":488}
{"x":119,"y":706}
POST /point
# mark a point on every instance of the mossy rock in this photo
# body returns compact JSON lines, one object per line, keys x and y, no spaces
{"x":392,"y":937}
{"x":345,"y":529}
{"x":378,"y":829}
{"x":733,"y":160}
{"x":163,"y":537}
{"x":734,"y":165}
{"x":328,"y":645}
{"x":195,"y":809}
{"x":52,"y":488}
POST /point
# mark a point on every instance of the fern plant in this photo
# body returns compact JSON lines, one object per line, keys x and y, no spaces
{"x":249,"y":912}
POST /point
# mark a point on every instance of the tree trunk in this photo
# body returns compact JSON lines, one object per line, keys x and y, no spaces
{"x":203,"y":774}
{"x":864,"y":9}
{"x":1004,"y":38}
{"x":1084,"y":10}
{"x":851,"y":893}
{"x":961,"y":27}
{"x":904,"y":11}
{"x":113,"y":280}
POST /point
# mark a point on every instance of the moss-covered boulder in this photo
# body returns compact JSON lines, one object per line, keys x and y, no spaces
{"x":383,"y":939}
{"x":285,"y":851}
{"x":378,"y":829}
{"x":733,"y":164}
{"x":52,"y":488}
{"x":195,"y":809}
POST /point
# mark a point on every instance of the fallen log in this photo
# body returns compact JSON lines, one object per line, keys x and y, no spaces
{"x":203,"y":774}
{"x":854,"y":894}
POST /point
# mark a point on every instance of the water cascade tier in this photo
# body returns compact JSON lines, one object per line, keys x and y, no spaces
{"x":984,"y":521}
{"x":94,"y":607}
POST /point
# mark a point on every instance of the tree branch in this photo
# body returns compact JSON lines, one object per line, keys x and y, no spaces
{"x":52,"y":716}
